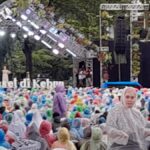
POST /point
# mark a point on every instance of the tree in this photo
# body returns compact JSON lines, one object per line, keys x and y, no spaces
{"x":16,"y":61}
{"x":54,"y":67}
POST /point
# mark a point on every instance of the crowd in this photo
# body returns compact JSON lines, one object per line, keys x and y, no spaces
{"x":75,"y":119}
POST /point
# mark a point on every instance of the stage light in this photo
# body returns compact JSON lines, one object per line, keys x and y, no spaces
{"x":25,"y":36}
{"x":2,"y":33}
{"x":37,"y":37}
{"x":46,"y":44}
{"x":33,"y":24}
{"x":61,"y":45}
{"x":24,"y":17}
{"x":30,"y":33}
{"x":55,"y":51}
{"x":73,"y":54}
{"x":28,"y":11}
{"x":13,"y":35}
{"x":14,"y":20}
{"x":25,"y":28}
{"x":18,"y":23}
{"x":43,"y":31}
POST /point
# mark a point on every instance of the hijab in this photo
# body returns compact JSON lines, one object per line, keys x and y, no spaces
{"x":96,"y":140}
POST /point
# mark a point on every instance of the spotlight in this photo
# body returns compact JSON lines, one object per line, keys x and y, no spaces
{"x":37,"y":37}
{"x":43,"y":31}
{"x":14,"y":20}
{"x":25,"y":36}
{"x":46,"y":44}
{"x":73,"y":54}
{"x":2,"y":33}
{"x":24,"y":17}
{"x":61,"y":45}
{"x":25,"y":28}
{"x":55,"y":51}
{"x":18,"y":23}
{"x":13,"y":35}
{"x":30,"y":33}
{"x":28,"y":11}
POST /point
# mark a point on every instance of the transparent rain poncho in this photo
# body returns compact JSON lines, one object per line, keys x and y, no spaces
{"x":126,"y":125}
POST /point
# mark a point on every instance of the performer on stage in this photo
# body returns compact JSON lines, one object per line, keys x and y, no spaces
{"x":5,"y":74}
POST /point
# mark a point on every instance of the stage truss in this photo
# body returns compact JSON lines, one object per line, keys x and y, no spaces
{"x":121,"y":7}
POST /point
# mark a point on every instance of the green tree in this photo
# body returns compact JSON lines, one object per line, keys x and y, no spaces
{"x":16,"y":61}
{"x":56,"y":68}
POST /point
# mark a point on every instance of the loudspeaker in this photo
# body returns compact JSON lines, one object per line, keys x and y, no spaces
{"x":113,"y":67}
{"x":120,"y":35}
{"x":144,"y":76}
{"x":96,"y":72}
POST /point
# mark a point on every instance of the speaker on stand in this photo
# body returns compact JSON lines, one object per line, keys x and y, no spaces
{"x":120,"y":42}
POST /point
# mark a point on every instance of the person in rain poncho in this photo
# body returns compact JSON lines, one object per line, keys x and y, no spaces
{"x":3,"y":142}
{"x":95,"y":143}
{"x":33,"y":134}
{"x":37,"y":118}
{"x":17,"y":125}
{"x":77,"y":129}
{"x":64,"y":141}
{"x":125,"y":125}
{"x":46,"y":132}
{"x":59,"y":104}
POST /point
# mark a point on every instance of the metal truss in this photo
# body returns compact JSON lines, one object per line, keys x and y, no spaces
{"x":128,"y":7}
{"x":51,"y":38}
{"x":133,"y":7}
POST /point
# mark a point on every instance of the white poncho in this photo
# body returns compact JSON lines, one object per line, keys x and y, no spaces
{"x":125,"y":124}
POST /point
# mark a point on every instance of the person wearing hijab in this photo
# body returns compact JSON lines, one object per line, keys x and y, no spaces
{"x":3,"y":142}
{"x":45,"y":132}
{"x":125,"y":125}
{"x":28,"y":118}
{"x":33,"y":134}
{"x":56,"y":122}
{"x":95,"y":143}
{"x":87,"y":135}
{"x":59,"y":101}
{"x":17,"y":125}
{"x":76,"y":129}
{"x":20,"y":115}
{"x":9,"y":137}
{"x":37,"y":117}
{"x":67,"y":125}
{"x":85,"y":122}
{"x":86,"y":113}
{"x":64,"y":141}
{"x":95,"y":117}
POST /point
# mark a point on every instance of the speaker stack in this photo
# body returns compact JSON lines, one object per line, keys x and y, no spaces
{"x":120,"y":35}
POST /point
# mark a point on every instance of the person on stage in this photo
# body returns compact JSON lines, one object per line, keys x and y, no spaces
{"x":5,"y":74}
